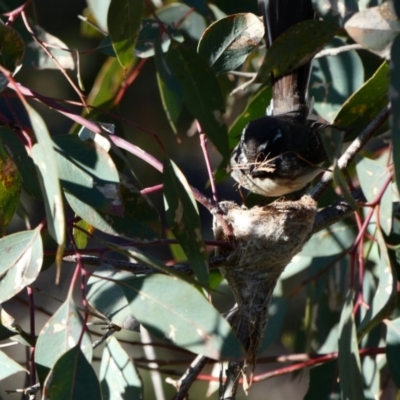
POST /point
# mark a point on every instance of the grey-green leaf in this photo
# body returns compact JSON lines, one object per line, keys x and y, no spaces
{"x":119,"y":377}
{"x":22,"y":257}
{"x":393,"y":349}
{"x":88,"y":173}
{"x":123,"y":20}
{"x":45,"y":160}
{"x":186,"y":320}
{"x":227,"y":42}
{"x":8,"y":366}
{"x":61,"y":332}
{"x":72,"y":378}
{"x":201,"y":93}
{"x":349,"y":359}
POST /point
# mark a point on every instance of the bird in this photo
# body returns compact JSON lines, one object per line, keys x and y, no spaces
{"x":281,"y":152}
{"x":278,"y":155}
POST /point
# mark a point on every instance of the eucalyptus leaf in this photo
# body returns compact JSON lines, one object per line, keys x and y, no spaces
{"x":10,"y":188}
{"x":334,"y":79}
{"x":333,"y":240}
{"x":351,"y":383}
{"x":375,"y":29}
{"x":22,"y":257}
{"x":9,"y":367}
{"x":227,"y":42}
{"x":183,"y":18}
{"x":119,"y":377}
{"x":24,"y":163}
{"x":37,"y":58}
{"x":72,"y":377}
{"x":99,"y":9}
{"x":201,"y":93}
{"x":87,"y":172}
{"x":183,"y":219}
{"x":295,"y":47}
{"x":187,"y":320}
{"x":395,"y":103}
{"x":169,"y":87}
{"x":61,"y":333}
{"x":123,"y":21}
{"x":393,"y":349}
{"x":371,"y":97}
{"x":151,"y":33}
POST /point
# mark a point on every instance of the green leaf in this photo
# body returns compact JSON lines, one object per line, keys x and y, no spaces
{"x":22,"y":257}
{"x":107,"y":84}
{"x":393,"y":349}
{"x":61,"y":333}
{"x":118,"y":310}
{"x":12,"y":51}
{"x":72,"y":378}
{"x":351,"y":383}
{"x":227,"y":42}
{"x":119,"y":378}
{"x":362,"y":106}
{"x":123,"y":21}
{"x":149,"y":261}
{"x":10,"y":188}
{"x":183,"y":18}
{"x":323,"y":385}
{"x":24,"y":163}
{"x":296,"y":46}
{"x":384,"y":293}
{"x":99,"y":9}
{"x":80,"y":237}
{"x":12,"y":48}
{"x":140,"y":218}
{"x":45,"y":159}
{"x":87,"y":172}
{"x":36,"y":57}
{"x":169,"y":308}
{"x":374,"y":29}
{"x":334,"y":80}
{"x":169,"y":87}
{"x":7,"y":325}
{"x":395,"y":103}
{"x":372,"y":175}
{"x":183,"y":219}
{"x":341,"y":181}
{"x":333,"y":240}
{"x":372,"y":377}
{"x":201,"y":93}
{"x":151,"y":33}
{"x":9,"y":367}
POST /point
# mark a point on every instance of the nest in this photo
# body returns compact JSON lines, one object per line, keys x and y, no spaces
{"x":266,"y":239}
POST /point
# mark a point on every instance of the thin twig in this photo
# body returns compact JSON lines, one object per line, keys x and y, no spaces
{"x":203,"y":145}
{"x":244,"y":74}
{"x":61,"y":68}
{"x":351,"y":151}
{"x":185,"y":382}
{"x":332,"y":214}
{"x":338,"y":50}
{"x":137,"y":268}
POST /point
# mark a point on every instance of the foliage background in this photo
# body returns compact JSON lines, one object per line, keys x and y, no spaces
{"x":141,"y":104}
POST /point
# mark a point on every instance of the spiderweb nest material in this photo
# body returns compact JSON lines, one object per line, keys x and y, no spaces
{"x":266,"y":239}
